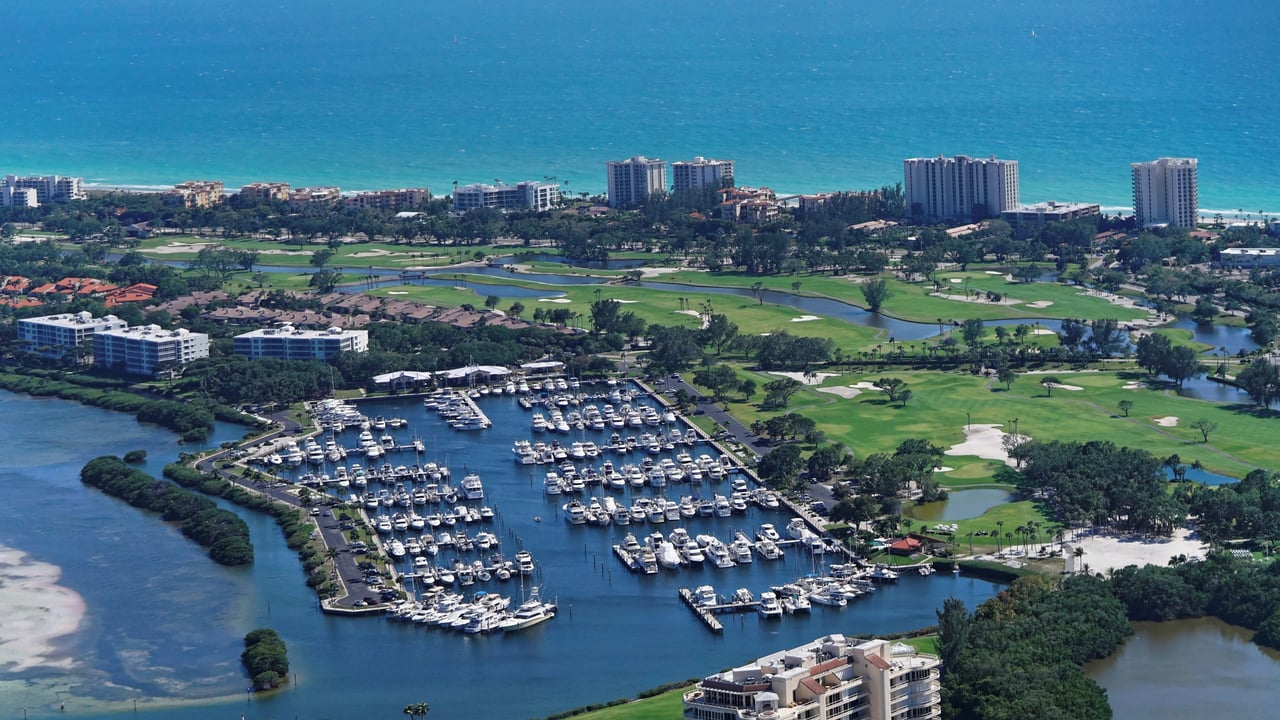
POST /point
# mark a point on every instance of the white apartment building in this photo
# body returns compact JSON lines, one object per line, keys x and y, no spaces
{"x":54,"y":335}
{"x":960,"y":188}
{"x":387,"y":199}
{"x":831,"y":678}
{"x":527,"y":195}
{"x":289,"y":343}
{"x":49,"y":188}
{"x":700,"y":172}
{"x":19,"y":197}
{"x":145,"y":349}
{"x":1165,"y":192}
{"x":632,"y":181}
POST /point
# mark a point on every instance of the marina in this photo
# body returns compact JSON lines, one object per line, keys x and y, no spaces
{"x":593,"y":595}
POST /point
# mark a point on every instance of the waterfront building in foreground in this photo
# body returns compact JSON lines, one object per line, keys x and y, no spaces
{"x":49,"y":188}
{"x":632,"y":181}
{"x":196,"y":194}
{"x":527,"y":195}
{"x":831,"y":678}
{"x":960,"y":188}
{"x":1028,"y":218}
{"x":700,"y":172}
{"x":289,"y":343}
{"x":147,"y":349}
{"x":1165,"y":192}
{"x":54,"y":335}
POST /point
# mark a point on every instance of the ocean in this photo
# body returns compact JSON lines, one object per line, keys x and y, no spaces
{"x":806,"y":96}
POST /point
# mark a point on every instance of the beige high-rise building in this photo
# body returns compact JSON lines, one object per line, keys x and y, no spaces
{"x":960,"y":188}
{"x":631,"y":182}
{"x":700,"y":172}
{"x":1165,"y":192}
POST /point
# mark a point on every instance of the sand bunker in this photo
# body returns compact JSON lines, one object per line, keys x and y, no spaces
{"x":37,"y":611}
{"x":555,"y":300}
{"x":1060,"y":386}
{"x":379,"y":252}
{"x":397,"y":292}
{"x":841,"y":391}
{"x":1042,"y":331}
{"x":978,"y":298}
{"x":805,"y":318}
{"x":943,"y":468}
{"x":176,"y":248}
{"x":1166,"y":421}
{"x":1040,"y":304}
{"x":626,"y":302}
{"x":706,"y":321}
{"x":957,"y":280}
{"x":984,"y":441}
{"x":1132,"y":385}
{"x":992,"y":272}
{"x":1112,"y":552}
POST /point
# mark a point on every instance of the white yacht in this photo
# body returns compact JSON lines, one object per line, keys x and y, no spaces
{"x":472,"y":488}
{"x":769,"y":606}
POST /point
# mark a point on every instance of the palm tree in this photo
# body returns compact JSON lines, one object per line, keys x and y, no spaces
{"x":417,"y":711}
{"x":1000,"y":526}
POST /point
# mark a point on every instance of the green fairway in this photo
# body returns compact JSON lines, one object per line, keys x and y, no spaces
{"x":917,"y":302}
{"x":937,"y":411}
{"x":184,"y":248}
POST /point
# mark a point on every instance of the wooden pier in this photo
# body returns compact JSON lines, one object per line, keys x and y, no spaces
{"x":705,"y":615}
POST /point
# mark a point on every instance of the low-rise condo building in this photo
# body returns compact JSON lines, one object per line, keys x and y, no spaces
{"x":526,"y":195}
{"x":19,"y":197}
{"x":289,"y":343}
{"x":55,"y":335}
{"x":147,"y":349}
{"x":387,"y":199}
{"x":196,"y":194}
{"x":265,"y":192}
{"x":1028,"y":218}
{"x":301,"y":197}
{"x":831,"y":678}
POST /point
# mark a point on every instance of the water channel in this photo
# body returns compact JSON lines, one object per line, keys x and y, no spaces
{"x":1189,"y":669}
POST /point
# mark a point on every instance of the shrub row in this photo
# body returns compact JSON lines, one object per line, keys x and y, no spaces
{"x":224,"y":534}
{"x":265,"y":658}
{"x":294,"y":524}
{"x":190,"y":420}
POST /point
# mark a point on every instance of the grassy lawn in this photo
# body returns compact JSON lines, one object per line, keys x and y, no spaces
{"x":927,"y":644}
{"x":659,"y":707}
{"x":1178,"y":336}
{"x":868,"y":424}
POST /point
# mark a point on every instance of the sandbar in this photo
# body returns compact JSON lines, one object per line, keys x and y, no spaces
{"x":37,"y":611}
{"x":1112,"y":552}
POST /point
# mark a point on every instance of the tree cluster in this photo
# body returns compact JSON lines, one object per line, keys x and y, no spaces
{"x":224,"y":534}
{"x":1100,"y":483}
{"x":265,"y":658}
{"x":1157,"y":355}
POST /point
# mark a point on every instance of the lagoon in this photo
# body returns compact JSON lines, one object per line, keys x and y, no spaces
{"x":962,"y":504}
{"x":1189,"y":669}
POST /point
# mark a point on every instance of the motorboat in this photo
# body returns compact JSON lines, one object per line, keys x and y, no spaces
{"x":531,"y":612}
{"x":472,"y":487}
{"x":769,"y":606}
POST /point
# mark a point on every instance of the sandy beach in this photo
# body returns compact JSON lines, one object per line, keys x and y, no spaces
{"x":37,"y":611}
{"x":1111,"y":552}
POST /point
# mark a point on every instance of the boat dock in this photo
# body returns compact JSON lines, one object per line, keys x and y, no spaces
{"x":703,"y":614}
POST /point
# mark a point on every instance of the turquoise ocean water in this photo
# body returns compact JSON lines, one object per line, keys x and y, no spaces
{"x":805,"y":95}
